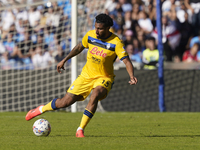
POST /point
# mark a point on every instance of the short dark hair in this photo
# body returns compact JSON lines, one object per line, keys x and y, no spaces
{"x":151,"y":38}
{"x":105,"y":19}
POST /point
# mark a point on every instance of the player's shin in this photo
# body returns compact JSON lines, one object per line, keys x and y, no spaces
{"x":50,"y":106}
{"x":87,"y":115}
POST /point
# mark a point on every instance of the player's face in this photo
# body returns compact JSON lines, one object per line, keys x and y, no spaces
{"x":101,"y":31}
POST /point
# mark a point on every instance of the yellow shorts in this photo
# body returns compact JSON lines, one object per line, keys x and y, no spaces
{"x":83,"y":86}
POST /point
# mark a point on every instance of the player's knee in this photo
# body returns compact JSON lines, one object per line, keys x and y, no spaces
{"x":95,"y":97}
{"x":100,"y":92}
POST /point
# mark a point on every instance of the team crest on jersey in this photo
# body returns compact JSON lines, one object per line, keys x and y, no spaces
{"x":72,"y":87}
{"x":108,"y":45}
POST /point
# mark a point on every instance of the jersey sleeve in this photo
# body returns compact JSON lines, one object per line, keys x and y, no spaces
{"x":85,"y":40}
{"x":120,"y":50}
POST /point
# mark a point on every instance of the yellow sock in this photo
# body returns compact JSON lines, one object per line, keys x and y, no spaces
{"x":50,"y":106}
{"x":87,"y":115}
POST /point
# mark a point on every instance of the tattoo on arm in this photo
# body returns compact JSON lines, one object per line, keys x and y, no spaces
{"x":75,"y":51}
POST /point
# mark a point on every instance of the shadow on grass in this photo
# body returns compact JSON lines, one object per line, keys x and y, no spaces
{"x":191,"y":136}
{"x":62,"y":135}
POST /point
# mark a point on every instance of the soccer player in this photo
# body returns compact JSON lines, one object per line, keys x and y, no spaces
{"x":97,"y":75}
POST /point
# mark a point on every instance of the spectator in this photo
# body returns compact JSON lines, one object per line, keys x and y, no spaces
{"x":134,"y":17}
{"x":145,"y":23}
{"x":135,"y":12}
{"x":20,"y":29}
{"x":140,"y":2}
{"x":150,"y":54}
{"x":67,"y":9}
{"x":25,"y":50}
{"x":19,"y":24}
{"x":176,"y":59}
{"x":194,"y":40}
{"x":43,"y":19}
{"x":66,"y":41}
{"x":136,"y":45}
{"x":171,"y":38}
{"x":22,"y":14}
{"x":11,"y":47}
{"x":41,"y":60}
{"x":194,"y":7}
{"x":168,"y":4}
{"x":49,"y":36}
{"x":181,"y":13}
{"x":40,"y":42}
{"x":172,"y":18}
{"x":110,"y":5}
{"x":198,"y":56}
{"x":129,"y":49}
{"x":191,"y":55}
{"x":115,"y":28}
{"x":186,"y":31}
{"x":6,"y":62}
{"x":8,"y":19}
{"x":56,"y":7}
{"x":33,"y":16}
{"x":133,"y":54}
{"x":141,"y":38}
{"x":60,"y":54}
{"x":14,"y":33}
{"x":2,"y":48}
{"x":52,"y":17}
{"x":128,"y":37}
{"x":119,"y":19}
{"x":151,"y":11}
{"x":125,"y":5}
{"x":127,"y":21}
{"x":37,"y":29}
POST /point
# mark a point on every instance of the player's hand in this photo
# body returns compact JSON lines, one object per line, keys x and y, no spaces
{"x":133,"y":81}
{"x":60,"y":66}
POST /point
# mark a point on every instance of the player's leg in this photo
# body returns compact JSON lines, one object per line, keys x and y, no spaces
{"x":98,"y":93}
{"x":56,"y":103}
{"x":66,"y":101}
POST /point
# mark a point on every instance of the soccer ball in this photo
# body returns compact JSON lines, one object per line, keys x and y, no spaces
{"x":41,"y":127}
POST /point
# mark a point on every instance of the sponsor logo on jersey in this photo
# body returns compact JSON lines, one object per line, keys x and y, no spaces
{"x":97,"y":52}
{"x":96,"y":60}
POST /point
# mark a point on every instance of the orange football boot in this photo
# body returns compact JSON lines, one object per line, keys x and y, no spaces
{"x":80,"y":133}
{"x":33,"y":113}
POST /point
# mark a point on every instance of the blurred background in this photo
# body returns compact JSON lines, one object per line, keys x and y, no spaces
{"x":36,"y":34}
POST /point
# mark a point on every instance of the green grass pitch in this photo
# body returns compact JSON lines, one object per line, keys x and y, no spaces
{"x":106,"y":131}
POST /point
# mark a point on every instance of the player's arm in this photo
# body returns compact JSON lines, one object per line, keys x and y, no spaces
{"x":75,"y":51}
{"x":130,"y":70}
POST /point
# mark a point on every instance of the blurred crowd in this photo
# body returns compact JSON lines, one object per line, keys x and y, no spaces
{"x":39,"y":36}
{"x":135,"y":22}
{"x":34,"y":36}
